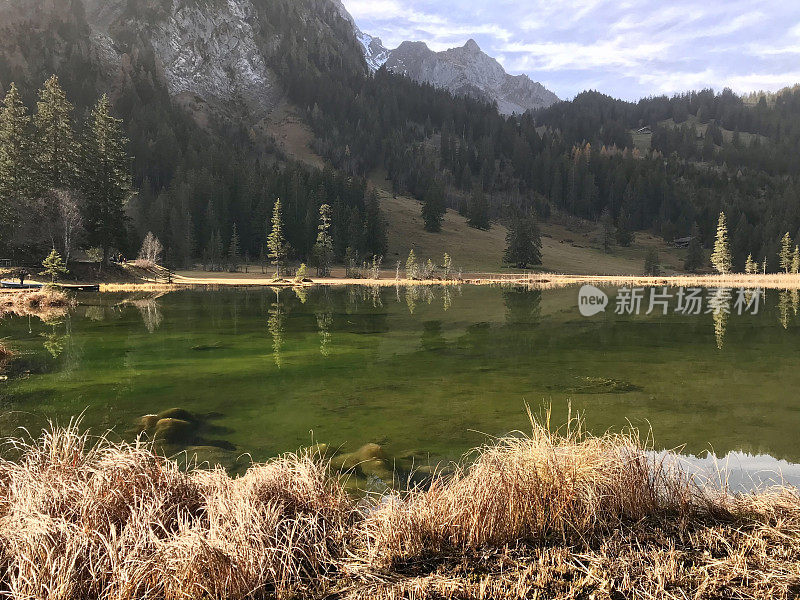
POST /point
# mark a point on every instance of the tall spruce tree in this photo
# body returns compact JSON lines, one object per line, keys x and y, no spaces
{"x":16,"y":169}
{"x":376,"y":240}
{"x":796,"y":260}
{"x":523,"y":242}
{"x":478,"y":209}
{"x":750,"y":266}
{"x":721,"y":257}
{"x":785,"y":253}
{"x":608,"y":231}
{"x":323,"y":248}
{"x":694,"y":256}
{"x":433,"y":208}
{"x":234,"y":251}
{"x":105,"y":178}
{"x":276,"y":241}
{"x":56,"y":146}
{"x":652,"y":263}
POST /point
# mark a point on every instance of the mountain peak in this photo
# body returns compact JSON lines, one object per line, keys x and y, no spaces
{"x":472,"y":46}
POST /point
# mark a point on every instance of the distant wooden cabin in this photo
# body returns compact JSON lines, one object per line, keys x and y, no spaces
{"x":682,"y":242}
{"x":645,"y":131}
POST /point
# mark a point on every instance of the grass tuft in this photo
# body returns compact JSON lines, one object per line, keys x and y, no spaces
{"x":544,"y":515}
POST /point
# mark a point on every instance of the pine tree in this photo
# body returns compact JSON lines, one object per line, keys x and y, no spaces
{"x":721,"y":257}
{"x":478,"y":210}
{"x":376,"y":241}
{"x":750,"y":266}
{"x":694,"y":257}
{"x":323,"y":248}
{"x":16,"y":172}
{"x":785,"y":254}
{"x":608,"y":231}
{"x":189,"y":243}
{"x":234,"y":251}
{"x":54,"y":266}
{"x":796,"y":260}
{"x":624,"y":233}
{"x":276,"y":241}
{"x":433,"y":208}
{"x":56,"y":149}
{"x":523,"y":242}
{"x":412,"y":270}
{"x":106,"y":179}
{"x":652,"y":263}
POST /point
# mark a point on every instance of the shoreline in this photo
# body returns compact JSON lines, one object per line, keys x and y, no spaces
{"x":538,"y":280}
{"x":535,"y":280}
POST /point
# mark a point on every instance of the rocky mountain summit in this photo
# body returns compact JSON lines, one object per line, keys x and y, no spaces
{"x":470,"y":71}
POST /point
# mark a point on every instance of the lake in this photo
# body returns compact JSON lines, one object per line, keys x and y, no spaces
{"x":424,"y":372}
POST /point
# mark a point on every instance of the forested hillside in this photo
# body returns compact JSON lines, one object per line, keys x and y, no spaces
{"x":194,"y":176}
{"x":201,"y":166}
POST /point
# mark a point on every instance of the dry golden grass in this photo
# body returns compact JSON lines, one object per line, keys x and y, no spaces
{"x":542,"y":516}
{"x":46,"y":303}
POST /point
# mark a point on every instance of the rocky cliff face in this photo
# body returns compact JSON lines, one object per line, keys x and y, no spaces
{"x":212,"y":51}
{"x":218,"y":52}
{"x":469,"y":71}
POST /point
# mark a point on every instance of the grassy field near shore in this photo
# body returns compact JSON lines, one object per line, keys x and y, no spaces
{"x":545,"y":515}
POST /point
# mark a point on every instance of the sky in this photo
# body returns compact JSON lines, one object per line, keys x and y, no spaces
{"x":627,"y":49}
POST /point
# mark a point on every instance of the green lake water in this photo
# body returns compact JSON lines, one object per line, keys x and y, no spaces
{"x":434,"y":371}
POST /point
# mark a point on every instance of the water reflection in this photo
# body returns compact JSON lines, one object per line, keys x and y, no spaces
{"x":275,"y":324}
{"x":738,"y":472}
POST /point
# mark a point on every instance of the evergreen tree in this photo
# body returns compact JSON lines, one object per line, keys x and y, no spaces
{"x":785,"y":254}
{"x":54,"y":266}
{"x":412,"y":270}
{"x":189,"y":243}
{"x":57,"y":149}
{"x":433,"y":208}
{"x":721,"y":257}
{"x":376,"y":241}
{"x":750,"y":266}
{"x":323,"y":248}
{"x":624,"y":231}
{"x":523,"y":242}
{"x":694,"y":257}
{"x":234,"y":250}
{"x":796,"y":260}
{"x":478,"y":210}
{"x":16,"y":171}
{"x":276,"y":241}
{"x":652,"y":263}
{"x":105,"y":179}
{"x":608,"y":231}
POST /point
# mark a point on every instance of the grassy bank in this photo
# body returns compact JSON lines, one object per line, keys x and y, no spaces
{"x":46,"y":303}
{"x":545,"y":516}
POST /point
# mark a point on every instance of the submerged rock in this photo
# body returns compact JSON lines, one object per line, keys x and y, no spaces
{"x":178,"y":413}
{"x":174,"y":431}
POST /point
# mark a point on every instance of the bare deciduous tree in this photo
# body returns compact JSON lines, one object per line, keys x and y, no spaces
{"x":151,"y":249}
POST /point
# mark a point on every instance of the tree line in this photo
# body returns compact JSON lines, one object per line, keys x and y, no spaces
{"x":69,"y":183}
